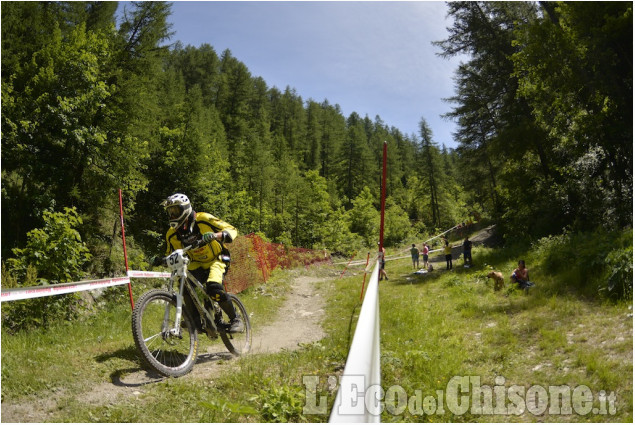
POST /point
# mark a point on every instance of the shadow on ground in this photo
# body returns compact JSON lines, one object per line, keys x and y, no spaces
{"x":143,"y":374}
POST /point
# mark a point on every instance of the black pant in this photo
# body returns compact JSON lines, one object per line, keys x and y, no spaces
{"x":448,"y":261}
{"x":467,"y":255}
{"x":216,"y":291}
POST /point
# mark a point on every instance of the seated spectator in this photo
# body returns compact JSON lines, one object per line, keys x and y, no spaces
{"x":521,"y":276}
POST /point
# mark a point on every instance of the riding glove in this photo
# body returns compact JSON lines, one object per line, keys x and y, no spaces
{"x":209,"y":237}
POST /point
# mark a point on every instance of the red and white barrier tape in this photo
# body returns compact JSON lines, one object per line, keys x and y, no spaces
{"x":13,"y":294}
{"x":141,"y":273}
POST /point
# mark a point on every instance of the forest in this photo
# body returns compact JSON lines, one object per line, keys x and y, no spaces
{"x":93,"y":102}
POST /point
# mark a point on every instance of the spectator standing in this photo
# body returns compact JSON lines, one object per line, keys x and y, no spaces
{"x":382,"y":263}
{"x":467,"y":251}
{"x":426,"y":252}
{"x":414,"y":252}
{"x":447,"y":250}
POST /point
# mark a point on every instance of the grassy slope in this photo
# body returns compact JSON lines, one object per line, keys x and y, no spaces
{"x":453,"y":324}
{"x":432,"y":328}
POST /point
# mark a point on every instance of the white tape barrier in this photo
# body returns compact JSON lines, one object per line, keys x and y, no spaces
{"x":360,"y":262}
{"x":351,"y":263}
{"x":60,"y":288}
{"x":420,"y":254}
{"x":363,"y":262}
{"x":358,"y":394}
{"x":441,"y":234}
{"x":13,"y":294}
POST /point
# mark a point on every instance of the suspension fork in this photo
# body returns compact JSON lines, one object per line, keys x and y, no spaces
{"x":176,"y":330}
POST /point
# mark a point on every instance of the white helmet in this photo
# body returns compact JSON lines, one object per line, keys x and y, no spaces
{"x":178,"y":208}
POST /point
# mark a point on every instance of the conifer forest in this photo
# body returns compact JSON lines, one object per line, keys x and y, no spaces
{"x":92,"y":103}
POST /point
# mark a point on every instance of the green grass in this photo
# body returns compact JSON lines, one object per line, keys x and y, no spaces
{"x":433,"y":328}
{"x":96,"y":348}
{"x":457,"y":325}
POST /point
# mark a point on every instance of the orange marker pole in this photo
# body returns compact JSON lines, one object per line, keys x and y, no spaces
{"x":349,"y":263}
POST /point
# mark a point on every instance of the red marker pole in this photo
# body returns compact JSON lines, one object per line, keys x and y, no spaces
{"x":125,"y":251}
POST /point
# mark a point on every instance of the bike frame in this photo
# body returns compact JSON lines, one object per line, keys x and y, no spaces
{"x":178,"y":262}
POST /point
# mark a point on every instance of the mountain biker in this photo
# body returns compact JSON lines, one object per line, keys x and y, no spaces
{"x":206,"y":264}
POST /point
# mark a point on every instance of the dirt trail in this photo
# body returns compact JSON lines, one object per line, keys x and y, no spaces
{"x":298,"y":322}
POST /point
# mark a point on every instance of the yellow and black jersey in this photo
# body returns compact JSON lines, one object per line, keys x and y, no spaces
{"x":207,"y":254}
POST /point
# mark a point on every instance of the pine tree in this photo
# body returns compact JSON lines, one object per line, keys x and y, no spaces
{"x":431,"y":170}
{"x":355,"y":161}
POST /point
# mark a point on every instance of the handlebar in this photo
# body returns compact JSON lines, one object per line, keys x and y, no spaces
{"x":199,"y":243}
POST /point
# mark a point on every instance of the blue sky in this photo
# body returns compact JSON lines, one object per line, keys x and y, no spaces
{"x":373,"y":58}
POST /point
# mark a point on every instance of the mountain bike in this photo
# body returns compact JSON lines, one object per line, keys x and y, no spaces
{"x":166,"y":322}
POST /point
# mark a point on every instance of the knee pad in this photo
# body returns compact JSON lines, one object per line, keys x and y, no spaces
{"x":216,"y":292}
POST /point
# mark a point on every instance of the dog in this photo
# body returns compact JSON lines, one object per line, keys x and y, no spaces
{"x":499,"y":282}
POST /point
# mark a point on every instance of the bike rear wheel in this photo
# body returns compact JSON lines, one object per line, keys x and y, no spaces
{"x":152,"y":319}
{"x":237,"y":343}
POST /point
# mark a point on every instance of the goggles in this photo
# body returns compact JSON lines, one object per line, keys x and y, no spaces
{"x":174,"y":211}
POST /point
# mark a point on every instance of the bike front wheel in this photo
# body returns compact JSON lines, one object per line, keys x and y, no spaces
{"x":169,"y":352}
{"x":238,"y":343}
